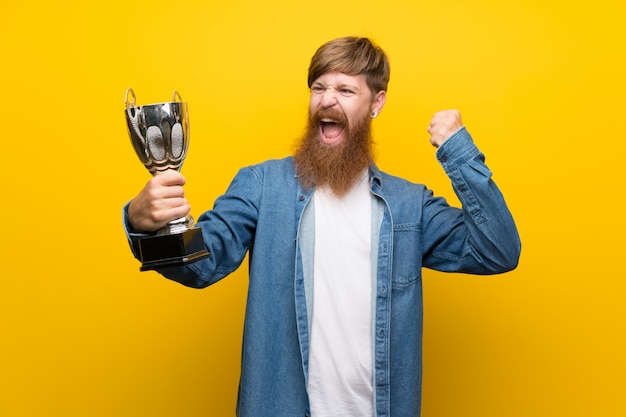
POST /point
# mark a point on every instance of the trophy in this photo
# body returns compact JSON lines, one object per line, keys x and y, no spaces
{"x":160,"y":136}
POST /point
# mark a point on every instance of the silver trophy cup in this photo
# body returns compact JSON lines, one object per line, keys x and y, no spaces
{"x":160,"y":136}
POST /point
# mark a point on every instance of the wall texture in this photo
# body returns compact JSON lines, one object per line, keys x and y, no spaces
{"x":540,"y":85}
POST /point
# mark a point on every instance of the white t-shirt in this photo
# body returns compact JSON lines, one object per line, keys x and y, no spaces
{"x":340,"y":356}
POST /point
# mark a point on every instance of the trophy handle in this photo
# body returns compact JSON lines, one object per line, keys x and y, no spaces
{"x":176,"y":95}
{"x":130,"y":104}
{"x":133,"y":123}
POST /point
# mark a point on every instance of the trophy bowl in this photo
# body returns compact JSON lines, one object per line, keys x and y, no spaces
{"x":159,"y":134}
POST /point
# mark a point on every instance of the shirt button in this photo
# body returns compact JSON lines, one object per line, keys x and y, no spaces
{"x":301,"y":198}
{"x":444,"y":159}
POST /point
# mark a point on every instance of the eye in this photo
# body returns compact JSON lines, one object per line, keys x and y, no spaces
{"x":346,"y":92}
{"x":317,"y":89}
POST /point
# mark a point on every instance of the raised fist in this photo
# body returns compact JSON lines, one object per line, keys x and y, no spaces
{"x":443,"y":125}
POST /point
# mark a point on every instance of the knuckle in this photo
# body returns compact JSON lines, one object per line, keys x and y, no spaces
{"x":157,"y":218}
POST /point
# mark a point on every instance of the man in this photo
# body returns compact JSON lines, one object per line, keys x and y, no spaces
{"x":333,"y":323}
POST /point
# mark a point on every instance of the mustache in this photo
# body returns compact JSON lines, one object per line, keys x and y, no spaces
{"x":333,"y":114}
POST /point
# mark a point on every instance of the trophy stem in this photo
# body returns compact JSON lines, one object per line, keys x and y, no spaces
{"x":177,"y":226}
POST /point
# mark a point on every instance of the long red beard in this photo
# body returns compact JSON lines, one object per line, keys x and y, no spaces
{"x":336,"y":166}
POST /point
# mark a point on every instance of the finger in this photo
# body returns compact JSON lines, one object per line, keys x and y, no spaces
{"x":155,"y":193}
{"x":158,"y":213}
{"x":170,"y":177}
{"x":162,"y":217}
{"x":168,"y":202}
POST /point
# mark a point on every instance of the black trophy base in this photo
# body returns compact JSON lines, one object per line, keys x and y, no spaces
{"x":171,"y":250}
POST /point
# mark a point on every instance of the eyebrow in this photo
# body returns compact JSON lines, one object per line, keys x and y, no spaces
{"x":339,"y":86}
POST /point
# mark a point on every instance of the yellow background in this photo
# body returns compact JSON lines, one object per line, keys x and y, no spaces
{"x":540,"y":85}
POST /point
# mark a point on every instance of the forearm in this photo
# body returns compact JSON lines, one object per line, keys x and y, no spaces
{"x":227,"y":232}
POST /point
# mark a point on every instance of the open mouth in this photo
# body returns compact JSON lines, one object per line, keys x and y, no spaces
{"x":331,"y":130}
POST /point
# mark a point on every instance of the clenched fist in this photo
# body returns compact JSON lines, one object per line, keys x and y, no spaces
{"x":443,"y":125}
{"x":159,"y":202}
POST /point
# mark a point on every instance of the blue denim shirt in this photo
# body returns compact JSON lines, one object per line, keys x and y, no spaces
{"x":261,"y":214}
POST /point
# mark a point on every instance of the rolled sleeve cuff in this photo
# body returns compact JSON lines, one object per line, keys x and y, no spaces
{"x":456,"y":150}
{"x":131,"y":235}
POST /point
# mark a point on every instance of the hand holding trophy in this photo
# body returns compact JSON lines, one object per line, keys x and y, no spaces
{"x":160,"y":136}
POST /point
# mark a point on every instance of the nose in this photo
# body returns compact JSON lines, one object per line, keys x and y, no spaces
{"x":329,"y":98}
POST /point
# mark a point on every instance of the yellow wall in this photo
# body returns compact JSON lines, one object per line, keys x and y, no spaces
{"x":540,"y":85}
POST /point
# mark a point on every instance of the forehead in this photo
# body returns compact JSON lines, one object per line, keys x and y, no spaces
{"x":339,"y":78}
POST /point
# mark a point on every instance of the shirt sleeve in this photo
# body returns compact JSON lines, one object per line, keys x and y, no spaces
{"x":131,"y":235}
{"x":227,"y":230}
{"x":479,"y":238}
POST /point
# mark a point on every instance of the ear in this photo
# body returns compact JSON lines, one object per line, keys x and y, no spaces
{"x":379,"y":102}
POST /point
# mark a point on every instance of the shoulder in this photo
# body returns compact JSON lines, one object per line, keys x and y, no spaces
{"x":283,"y":164}
{"x":389,"y":183}
{"x":268,"y":168}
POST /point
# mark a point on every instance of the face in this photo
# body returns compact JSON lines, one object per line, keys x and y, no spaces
{"x":340,"y":101}
{"x":337,"y":144}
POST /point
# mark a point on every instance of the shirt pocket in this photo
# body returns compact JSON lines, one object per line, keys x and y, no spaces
{"x":407,"y":254}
